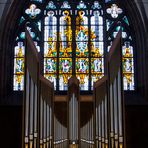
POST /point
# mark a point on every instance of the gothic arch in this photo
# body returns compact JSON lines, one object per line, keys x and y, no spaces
{"x":7,"y":42}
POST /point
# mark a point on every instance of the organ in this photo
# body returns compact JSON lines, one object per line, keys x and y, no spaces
{"x":73,"y":120}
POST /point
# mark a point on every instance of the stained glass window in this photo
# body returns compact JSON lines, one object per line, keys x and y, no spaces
{"x":65,"y":46}
{"x":73,"y":38}
{"x":116,"y":19}
{"x":19,"y":66}
{"x":97,"y":44}
{"x":50,"y":43}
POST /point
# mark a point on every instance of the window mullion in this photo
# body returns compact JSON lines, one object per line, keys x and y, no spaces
{"x":89,"y":50}
{"x":73,"y":21}
{"x":58,"y":50}
{"x":105,"y":46}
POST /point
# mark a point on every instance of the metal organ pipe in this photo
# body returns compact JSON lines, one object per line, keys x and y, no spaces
{"x":100,"y":125}
{"x":115,"y":112}
{"x":44,"y":120}
{"x":41,"y":121}
{"x":35,"y":115}
{"x":48,"y":126}
{"x":111,"y":116}
{"x":102,"y":114}
{"x":120,"y":113}
{"x":73,"y":119}
{"x":31,"y":112}
{"x":106,"y":122}
{"x":37,"y":93}
{"x":27,"y":110}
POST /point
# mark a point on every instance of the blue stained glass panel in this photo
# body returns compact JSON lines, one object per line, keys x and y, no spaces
{"x":50,"y":19}
{"x":65,"y":5}
{"x":19,"y":65}
{"x":126,"y":20}
{"x":50,"y":33}
{"x":108,"y":1}
{"x":22,"y":19}
{"x":18,"y":82}
{"x":82,"y":36}
{"x":81,"y":5}
{"x":82,"y":65}
{"x":51,"y":5}
{"x":97,"y":33}
{"x":96,"y":19}
{"x":96,"y":5}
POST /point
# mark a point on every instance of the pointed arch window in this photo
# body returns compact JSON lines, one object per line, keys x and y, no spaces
{"x":73,"y":39}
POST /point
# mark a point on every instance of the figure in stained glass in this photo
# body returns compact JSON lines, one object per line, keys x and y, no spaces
{"x":19,"y":65}
{"x":82,"y":65}
{"x":97,"y":65}
{"x":50,"y":65}
{"x":127,"y":65}
{"x":65,"y":66}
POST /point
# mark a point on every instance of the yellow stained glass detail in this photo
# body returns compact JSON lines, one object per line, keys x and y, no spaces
{"x":65,"y":37}
{"x":128,"y":53}
{"x":20,"y":52}
{"x":95,"y":51}
{"x":19,"y":78}
{"x":51,"y":48}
